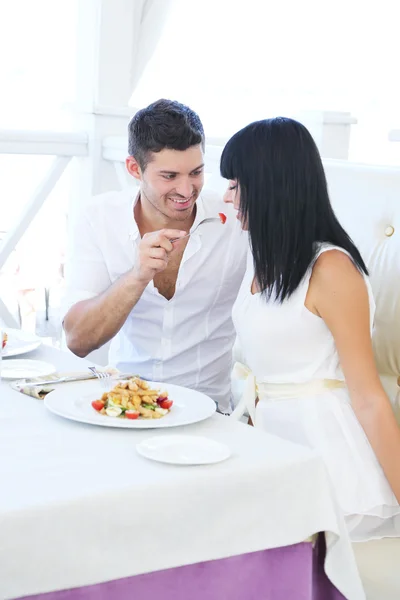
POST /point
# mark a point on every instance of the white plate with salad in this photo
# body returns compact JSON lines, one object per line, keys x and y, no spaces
{"x":130,"y":404}
{"x":17,"y":342}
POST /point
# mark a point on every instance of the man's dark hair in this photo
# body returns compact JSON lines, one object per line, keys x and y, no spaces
{"x":163,"y":124}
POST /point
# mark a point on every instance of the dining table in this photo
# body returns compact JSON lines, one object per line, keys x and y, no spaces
{"x":83,"y":516}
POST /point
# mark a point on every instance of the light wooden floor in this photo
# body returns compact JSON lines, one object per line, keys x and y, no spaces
{"x":379,"y":565}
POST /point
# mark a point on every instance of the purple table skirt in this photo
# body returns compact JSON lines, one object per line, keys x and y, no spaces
{"x":290,"y":573}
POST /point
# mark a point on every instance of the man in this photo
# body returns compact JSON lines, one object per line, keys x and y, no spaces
{"x":165,"y":304}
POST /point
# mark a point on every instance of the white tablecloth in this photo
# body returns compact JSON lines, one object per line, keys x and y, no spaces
{"x":79,"y":506}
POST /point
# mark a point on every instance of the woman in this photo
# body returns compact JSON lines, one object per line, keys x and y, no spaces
{"x":304,"y":320}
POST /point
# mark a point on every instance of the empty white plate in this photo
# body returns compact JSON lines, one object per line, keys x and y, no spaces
{"x":25,"y":369}
{"x":183,"y":450}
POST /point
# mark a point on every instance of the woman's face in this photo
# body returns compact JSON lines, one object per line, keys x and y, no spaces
{"x":232,"y":196}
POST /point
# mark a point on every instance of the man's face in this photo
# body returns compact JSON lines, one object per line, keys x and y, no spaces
{"x":172,"y":181}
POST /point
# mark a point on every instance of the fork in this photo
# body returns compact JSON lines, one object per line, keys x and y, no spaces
{"x":103,"y":377}
{"x":198,"y":225}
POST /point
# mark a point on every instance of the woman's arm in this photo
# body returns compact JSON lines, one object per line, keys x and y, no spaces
{"x":339,"y":295}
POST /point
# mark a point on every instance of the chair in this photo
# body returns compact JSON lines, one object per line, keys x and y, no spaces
{"x":366,"y":200}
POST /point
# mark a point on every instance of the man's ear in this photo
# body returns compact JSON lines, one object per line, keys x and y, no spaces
{"x":133,"y":168}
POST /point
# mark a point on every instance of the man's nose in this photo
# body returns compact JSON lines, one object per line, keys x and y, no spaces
{"x":185,"y":188}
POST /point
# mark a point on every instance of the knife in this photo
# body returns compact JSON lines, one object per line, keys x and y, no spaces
{"x":84,"y":377}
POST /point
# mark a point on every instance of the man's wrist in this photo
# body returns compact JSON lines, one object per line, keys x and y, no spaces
{"x":137,"y":283}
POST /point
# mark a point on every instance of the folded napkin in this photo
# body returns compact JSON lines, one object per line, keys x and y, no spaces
{"x":37,"y":391}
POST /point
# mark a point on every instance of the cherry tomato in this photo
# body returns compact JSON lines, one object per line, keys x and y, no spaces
{"x":131,"y":414}
{"x":98,"y":404}
{"x":222,"y":217}
{"x":165,"y":403}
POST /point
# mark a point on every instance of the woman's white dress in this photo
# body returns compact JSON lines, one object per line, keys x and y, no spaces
{"x":291,"y":358}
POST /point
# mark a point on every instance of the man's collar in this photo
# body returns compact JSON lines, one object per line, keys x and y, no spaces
{"x":201,"y":214}
{"x":134,"y":229}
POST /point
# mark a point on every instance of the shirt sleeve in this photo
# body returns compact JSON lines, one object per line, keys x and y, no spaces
{"x":86,"y":272}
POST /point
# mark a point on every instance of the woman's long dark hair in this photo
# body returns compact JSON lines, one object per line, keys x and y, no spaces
{"x":284,"y":200}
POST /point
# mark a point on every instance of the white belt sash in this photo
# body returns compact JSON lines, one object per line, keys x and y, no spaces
{"x":254,"y":389}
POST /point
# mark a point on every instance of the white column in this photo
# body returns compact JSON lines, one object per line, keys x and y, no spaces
{"x":394,"y":135}
{"x":330,"y":130}
{"x":107,"y":35}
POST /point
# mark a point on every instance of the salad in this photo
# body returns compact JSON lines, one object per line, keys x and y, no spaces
{"x":133,"y":399}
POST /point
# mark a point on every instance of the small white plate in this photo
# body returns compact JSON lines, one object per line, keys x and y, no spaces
{"x":25,"y":369}
{"x":20,"y":342}
{"x":183,"y":450}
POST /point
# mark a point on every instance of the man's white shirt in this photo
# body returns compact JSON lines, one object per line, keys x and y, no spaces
{"x":186,"y":340}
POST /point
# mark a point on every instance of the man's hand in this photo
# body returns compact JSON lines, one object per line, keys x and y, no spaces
{"x":153,"y":253}
{"x":91,"y":323}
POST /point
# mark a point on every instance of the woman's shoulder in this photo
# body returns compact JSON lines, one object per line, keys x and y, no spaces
{"x":332,"y":257}
{"x":334,"y":269}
